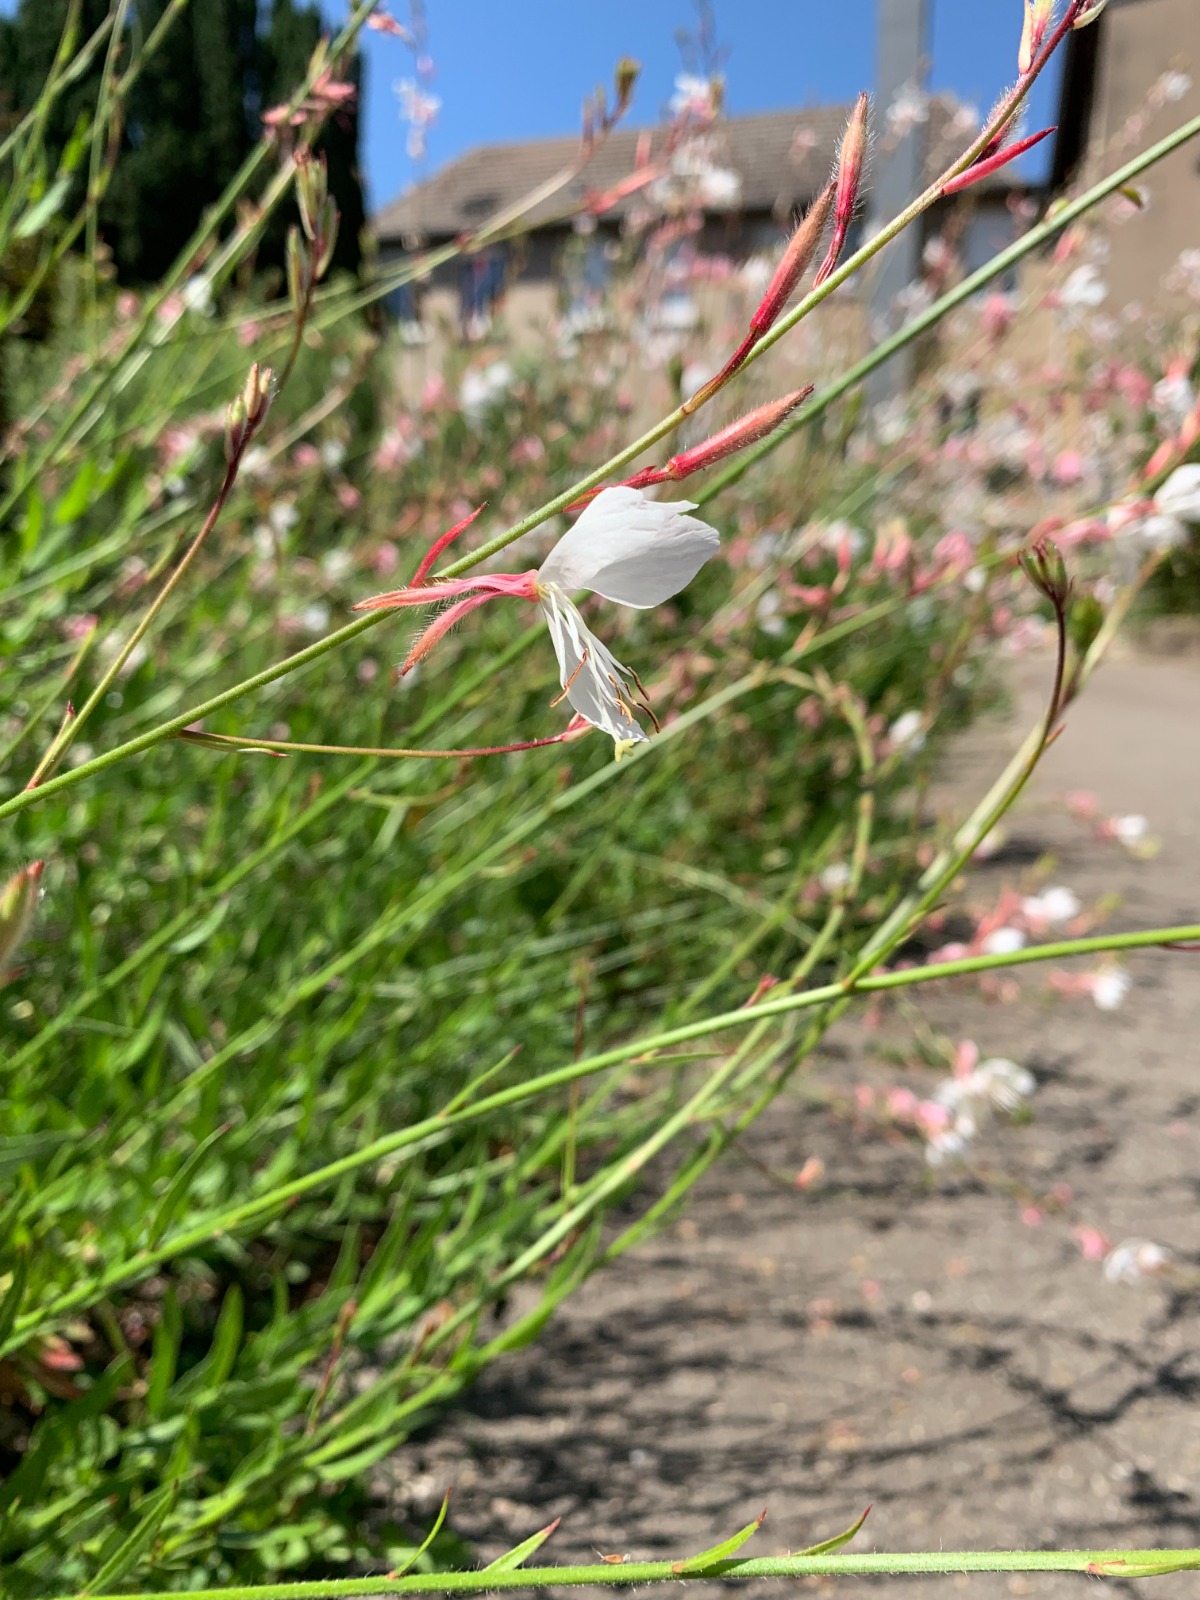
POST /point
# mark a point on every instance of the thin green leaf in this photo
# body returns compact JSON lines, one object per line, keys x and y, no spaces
{"x":203,"y":929}
{"x":178,"y":1187}
{"x":429,"y":1537}
{"x":128,"y":1554}
{"x":839,"y":1539}
{"x":518,"y":1556}
{"x":36,"y":218}
{"x":11,"y":1304}
{"x":719,"y":1552}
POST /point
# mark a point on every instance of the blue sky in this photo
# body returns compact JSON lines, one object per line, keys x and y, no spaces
{"x":520,"y":69}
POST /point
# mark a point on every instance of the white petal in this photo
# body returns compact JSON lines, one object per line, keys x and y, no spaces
{"x":594,"y":680}
{"x":1180,"y":495}
{"x":635,"y":551}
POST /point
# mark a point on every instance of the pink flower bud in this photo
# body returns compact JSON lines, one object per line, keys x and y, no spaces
{"x":794,"y":261}
{"x":851,"y":158}
{"x":747,"y":430}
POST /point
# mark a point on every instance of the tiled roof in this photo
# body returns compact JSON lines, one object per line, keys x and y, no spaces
{"x":781,"y":157}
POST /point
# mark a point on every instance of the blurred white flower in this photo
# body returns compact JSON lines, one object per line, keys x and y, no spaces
{"x":1131,"y":830}
{"x":1052,"y":907}
{"x":1109,"y":987}
{"x":197,"y":295}
{"x":1134,"y":1259}
{"x":1173,"y":399}
{"x":283,"y":516}
{"x":906,"y":732}
{"x":315,"y":618}
{"x":333,"y":453}
{"x":336,"y":564}
{"x":694,"y":96}
{"x":1084,"y":290}
{"x":1172,"y":87}
{"x":835,"y":876}
{"x":1003,"y":942}
{"x":1179,"y":496}
{"x":482,"y":388}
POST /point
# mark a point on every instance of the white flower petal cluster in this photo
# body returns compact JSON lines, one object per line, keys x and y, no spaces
{"x":997,"y":1084}
{"x":631,"y":550}
{"x":1134,"y":1259}
{"x":1109,"y":988}
{"x":1052,"y":907}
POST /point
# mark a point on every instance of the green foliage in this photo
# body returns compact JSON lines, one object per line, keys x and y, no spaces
{"x":190,"y":120}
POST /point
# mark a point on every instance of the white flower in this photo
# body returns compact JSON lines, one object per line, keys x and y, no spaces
{"x":482,"y":387}
{"x":693,"y":96}
{"x":1133,"y":1259}
{"x":1109,"y":988}
{"x":1051,"y":907}
{"x":631,"y":550}
{"x":835,"y":876}
{"x":1173,"y":86}
{"x":1160,"y":532}
{"x":1130,"y":830}
{"x":197,"y":295}
{"x":333,"y":453}
{"x":1173,"y":399}
{"x":283,"y":516}
{"x":1003,"y":942}
{"x":906,"y":732}
{"x":1002,"y":1082}
{"x":1180,"y":494}
{"x":1084,"y":290}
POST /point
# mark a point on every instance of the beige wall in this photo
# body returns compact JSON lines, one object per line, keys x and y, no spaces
{"x":1142,"y":40}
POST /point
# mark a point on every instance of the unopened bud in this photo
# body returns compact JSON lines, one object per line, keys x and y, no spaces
{"x":851,"y":158}
{"x":18,"y":902}
{"x":298,"y":268}
{"x":312,"y":186}
{"x":625,"y":79}
{"x":243,"y":415}
{"x":1046,"y":570}
{"x":1033,"y":32}
{"x":1089,"y":13}
{"x":1087,"y":618}
{"x":235,"y":428}
{"x":747,"y":430}
{"x":794,"y":262}
{"x":257,"y":393}
{"x":327,"y":236}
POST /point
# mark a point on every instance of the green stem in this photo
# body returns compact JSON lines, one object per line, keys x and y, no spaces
{"x":1096,"y":1563}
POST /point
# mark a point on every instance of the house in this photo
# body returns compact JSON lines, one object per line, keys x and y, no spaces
{"x":1125,"y":80}
{"x":1128,"y":79}
{"x":754,"y":175}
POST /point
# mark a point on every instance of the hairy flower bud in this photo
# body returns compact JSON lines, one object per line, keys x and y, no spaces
{"x":851,"y":157}
{"x":1037,"y":19}
{"x":747,"y":430}
{"x":794,"y":261}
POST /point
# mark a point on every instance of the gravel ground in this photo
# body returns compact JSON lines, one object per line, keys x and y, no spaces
{"x":883,"y":1337}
